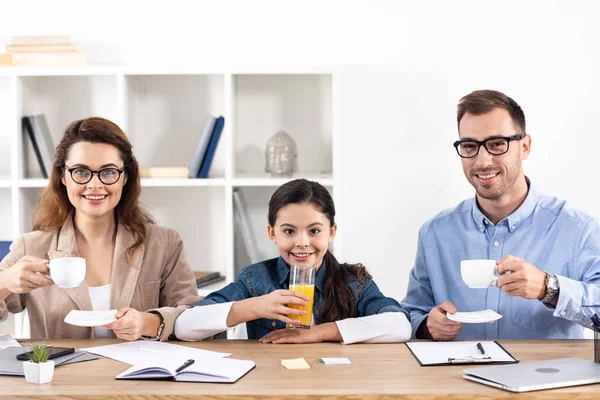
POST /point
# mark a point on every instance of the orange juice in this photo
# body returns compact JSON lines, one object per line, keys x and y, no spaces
{"x":307,"y":290}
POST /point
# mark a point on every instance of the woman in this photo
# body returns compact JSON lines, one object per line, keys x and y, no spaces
{"x":90,"y":209}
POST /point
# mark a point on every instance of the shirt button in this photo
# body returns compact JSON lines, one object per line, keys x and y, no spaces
{"x":492,"y":322}
{"x":563,"y":313}
{"x":485,"y":221}
{"x":273,"y":324}
{"x":496,"y":244}
{"x":513,"y":227}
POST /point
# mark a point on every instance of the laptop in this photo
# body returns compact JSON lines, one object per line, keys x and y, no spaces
{"x":538,"y":375}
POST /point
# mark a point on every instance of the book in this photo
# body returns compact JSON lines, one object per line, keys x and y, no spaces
{"x":202,"y":146}
{"x":244,"y":227}
{"x":205,"y":278}
{"x":209,"y":369}
{"x":40,"y":48}
{"x":164,"y":172}
{"x":212,"y":147}
{"x":4,"y":248}
{"x":39,"y":134}
{"x":39,"y":59}
{"x":35,"y":40}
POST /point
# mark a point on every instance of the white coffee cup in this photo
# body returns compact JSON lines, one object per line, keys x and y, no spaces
{"x":67,"y":272}
{"x":478,"y":273}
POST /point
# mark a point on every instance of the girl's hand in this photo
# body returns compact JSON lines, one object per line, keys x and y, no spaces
{"x":298,"y":335}
{"x":273,"y":305}
{"x":131,"y":324}
{"x":24,"y":276}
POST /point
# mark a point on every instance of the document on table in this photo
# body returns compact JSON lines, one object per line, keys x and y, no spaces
{"x":459,"y":352}
{"x":8,"y":341}
{"x":148,"y":352}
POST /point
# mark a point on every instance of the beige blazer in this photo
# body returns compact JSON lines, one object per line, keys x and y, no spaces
{"x":159,"y":280}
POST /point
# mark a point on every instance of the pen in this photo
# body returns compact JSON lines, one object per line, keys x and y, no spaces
{"x":596,"y":322}
{"x":138,"y":348}
{"x":480,"y":347}
{"x":185,"y":365}
{"x":469,"y":360}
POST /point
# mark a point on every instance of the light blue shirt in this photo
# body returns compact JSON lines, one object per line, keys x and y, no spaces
{"x":545,"y":232}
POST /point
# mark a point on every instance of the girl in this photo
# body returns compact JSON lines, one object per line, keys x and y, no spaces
{"x":90,"y":209}
{"x":348,"y":305}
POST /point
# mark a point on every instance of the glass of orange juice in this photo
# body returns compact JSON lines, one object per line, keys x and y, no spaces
{"x":302,"y":280}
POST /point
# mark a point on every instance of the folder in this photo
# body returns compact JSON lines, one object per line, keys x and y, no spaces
{"x":460,"y":352}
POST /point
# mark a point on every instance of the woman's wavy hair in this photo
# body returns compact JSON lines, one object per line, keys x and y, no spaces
{"x":338,"y":300}
{"x":54,"y":206}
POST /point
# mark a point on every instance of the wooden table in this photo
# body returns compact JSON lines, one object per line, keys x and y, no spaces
{"x":378,"y":371}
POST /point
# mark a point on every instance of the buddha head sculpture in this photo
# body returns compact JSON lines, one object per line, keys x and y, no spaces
{"x":281,"y":155}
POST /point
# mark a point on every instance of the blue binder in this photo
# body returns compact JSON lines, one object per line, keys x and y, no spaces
{"x":212,"y":147}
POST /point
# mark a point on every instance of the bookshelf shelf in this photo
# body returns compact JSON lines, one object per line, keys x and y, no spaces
{"x":211,"y":182}
{"x":255,"y":179}
{"x":163,"y":111}
{"x":32,"y":183}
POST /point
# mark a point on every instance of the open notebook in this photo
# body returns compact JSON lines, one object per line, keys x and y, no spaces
{"x":219,"y":370}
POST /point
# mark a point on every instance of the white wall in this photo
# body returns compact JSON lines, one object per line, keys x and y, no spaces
{"x":397,"y":110}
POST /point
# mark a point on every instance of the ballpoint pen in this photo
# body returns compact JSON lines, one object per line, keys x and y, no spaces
{"x":480,"y":347}
{"x":185,"y":365}
{"x":596,"y":322}
{"x":138,"y":348}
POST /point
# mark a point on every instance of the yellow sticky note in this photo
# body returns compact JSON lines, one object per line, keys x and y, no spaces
{"x":295,"y":363}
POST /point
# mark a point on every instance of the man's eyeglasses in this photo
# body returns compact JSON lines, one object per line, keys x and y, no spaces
{"x":495,"y":145}
{"x":82,"y":175}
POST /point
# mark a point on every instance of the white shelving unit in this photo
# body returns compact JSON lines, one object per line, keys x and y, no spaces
{"x":163,"y":112}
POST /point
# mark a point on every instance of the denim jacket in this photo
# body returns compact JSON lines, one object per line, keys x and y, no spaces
{"x":269,"y":275}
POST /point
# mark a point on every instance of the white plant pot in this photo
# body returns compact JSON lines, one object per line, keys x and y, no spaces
{"x":38,"y":373}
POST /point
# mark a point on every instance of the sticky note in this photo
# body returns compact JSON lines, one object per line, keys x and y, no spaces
{"x":295,"y":363}
{"x":333,"y":361}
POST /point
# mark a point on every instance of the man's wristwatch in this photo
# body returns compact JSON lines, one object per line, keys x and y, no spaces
{"x":552,"y":288}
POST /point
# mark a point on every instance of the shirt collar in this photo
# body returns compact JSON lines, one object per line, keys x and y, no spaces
{"x":515,"y":219}
{"x":283,"y":271}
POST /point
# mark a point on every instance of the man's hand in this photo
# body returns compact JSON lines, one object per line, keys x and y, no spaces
{"x":438,"y":324}
{"x":524,"y":280}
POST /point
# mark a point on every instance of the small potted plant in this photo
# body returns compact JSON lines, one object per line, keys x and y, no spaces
{"x":38,"y":369}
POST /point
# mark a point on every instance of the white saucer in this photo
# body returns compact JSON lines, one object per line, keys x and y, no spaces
{"x":475,"y":317}
{"x":90,"y":318}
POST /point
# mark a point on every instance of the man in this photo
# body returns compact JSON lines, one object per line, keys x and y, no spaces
{"x":548,"y":255}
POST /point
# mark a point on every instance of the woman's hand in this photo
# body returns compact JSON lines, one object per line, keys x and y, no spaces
{"x":273,"y":305}
{"x":24,"y":276}
{"x":131,"y":324}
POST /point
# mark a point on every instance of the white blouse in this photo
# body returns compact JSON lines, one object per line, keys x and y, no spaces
{"x":100,"y":296}
{"x":201,"y":322}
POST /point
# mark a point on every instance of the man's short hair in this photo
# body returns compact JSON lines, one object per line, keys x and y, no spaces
{"x":482,"y":102}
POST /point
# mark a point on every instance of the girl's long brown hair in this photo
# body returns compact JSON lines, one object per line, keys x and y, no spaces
{"x":54,"y":206}
{"x":338,"y":300}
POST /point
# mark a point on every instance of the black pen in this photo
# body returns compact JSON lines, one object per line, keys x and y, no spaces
{"x":596,"y":322}
{"x":480,"y":347}
{"x":185,"y":365}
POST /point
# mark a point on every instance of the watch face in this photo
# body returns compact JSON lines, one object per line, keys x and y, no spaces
{"x":553,"y":283}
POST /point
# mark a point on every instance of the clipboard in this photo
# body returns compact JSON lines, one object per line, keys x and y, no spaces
{"x":429,"y":354}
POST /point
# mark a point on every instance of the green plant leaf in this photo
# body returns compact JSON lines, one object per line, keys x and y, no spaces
{"x":39,"y":353}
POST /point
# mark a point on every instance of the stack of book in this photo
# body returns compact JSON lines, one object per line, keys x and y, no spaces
{"x":205,"y":278}
{"x":25,"y":51}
